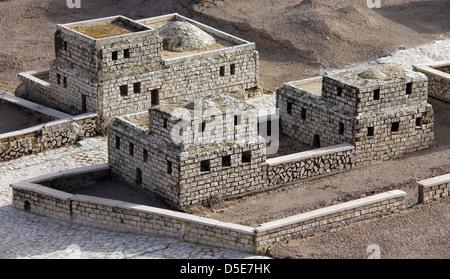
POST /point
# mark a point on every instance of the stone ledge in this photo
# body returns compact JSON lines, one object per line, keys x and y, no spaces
{"x":311,"y":215}
{"x":310,"y":154}
{"x":438,"y":180}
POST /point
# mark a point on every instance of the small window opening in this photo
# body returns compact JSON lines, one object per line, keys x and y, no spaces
{"x":419,"y":121}
{"x":65,"y":46}
{"x":289,"y":108}
{"x":246,"y":157}
{"x":339,"y":91}
{"x":117,"y":142}
{"x":370,"y":131}
{"x":169,"y":167}
{"x":222,"y":71}
{"x":65,"y":82}
{"x":26,"y":206}
{"x":232,"y":69}
{"x":138,"y":176}
{"x":303,"y":115}
{"x":114,"y":55}
{"x":409,"y":88}
{"x":237,"y":120}
{"x":316,"y":141}
{"x":226,"y":161}
{"x":126,"y":53}
{"x":165,"y":123}
{"x":58,"y":79}
{"x":202,"y":127}
{"x":83,"y":103}
{"x":395,"y":127}
{"x":155,"y":97}
{"x":205,"y":166}
{"x":137,"y":88}
{"x":124,"y":90}
{"x":341,"y":128}
{"x":145,"y":156}
{"x":131,"y":149}
{"x":376,"y":94}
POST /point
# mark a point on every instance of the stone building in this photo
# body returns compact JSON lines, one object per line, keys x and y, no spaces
{"x":116,"y":66}
{"x":381,"y":110}
{"x":190,"y":153}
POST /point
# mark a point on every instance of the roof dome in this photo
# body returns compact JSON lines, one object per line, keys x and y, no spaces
{"x":183,"y":36}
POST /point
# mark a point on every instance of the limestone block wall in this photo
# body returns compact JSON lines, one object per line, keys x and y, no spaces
{"x":227,"y":171}
{"x":360,"y":97}
{"x":438,"y":75}
{"x":379,"y":137}
{"x":140,"y":160}
{"x":308,"y":164}
{"x":133,"y":218}
{"x":182,"y":79}
{"x":312,"y":121}
{"x":434,"y":188}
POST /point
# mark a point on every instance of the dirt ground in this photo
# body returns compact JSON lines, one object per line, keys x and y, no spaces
{"x":118,"y":190}
{"x":17,"y":119}
{"x":296,"y":39}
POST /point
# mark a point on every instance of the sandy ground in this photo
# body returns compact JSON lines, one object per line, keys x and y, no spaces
{"x":118,"y":190}
{"x":17,"y":120}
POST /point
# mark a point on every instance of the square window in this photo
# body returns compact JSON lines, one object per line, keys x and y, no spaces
{"x":137,"y":88}
{"x":409,"y":88}
{"x":226,"y":161}
{"x":232,"y":69}
{"x":124,"y":90}
{"x":126,"y":53}
{"x":395,"y":126}
{"x":246,"y":157}
{"x":205,"y":166}
{"x":376,"y":94}
{"x":114,"y":55}
{"x":222,"y":71}
{"x":370,"y":131}
{"x":289,"y":108}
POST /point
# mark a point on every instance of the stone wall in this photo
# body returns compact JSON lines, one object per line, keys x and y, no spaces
{"x":311,"y":120}
{"x":377,"y":139}
{"x":126,"y":217}
{"x":308,"y":164}
{"x":140,"y":160}
{"x":434,"y":188}
{"x":51,"y":135}
{"x":308,"y":223}
{"x":179,"y":177}
{"x":438,"y":75}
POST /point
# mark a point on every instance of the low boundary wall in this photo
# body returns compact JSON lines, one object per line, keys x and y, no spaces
{"x":438,"y":80}
{"x":127,"y":217}
{"x":303,"y":165}
{"x":434,"y":188}
{"x":65,"y":130}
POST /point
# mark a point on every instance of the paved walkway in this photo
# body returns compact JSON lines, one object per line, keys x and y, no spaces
{"x":24,"y":235}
